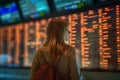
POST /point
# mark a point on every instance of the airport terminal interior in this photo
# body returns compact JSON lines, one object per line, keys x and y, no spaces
{"x":94,"y":33}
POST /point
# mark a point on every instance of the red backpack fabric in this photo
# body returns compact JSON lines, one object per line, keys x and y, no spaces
{"x":48,"y":72}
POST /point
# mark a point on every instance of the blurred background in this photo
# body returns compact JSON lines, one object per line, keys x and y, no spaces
{"x":94,"y":32}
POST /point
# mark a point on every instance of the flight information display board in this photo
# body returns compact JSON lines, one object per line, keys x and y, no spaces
{"x":62,"y":5}
{"x":34,"y":8}
{"x":95,"y":34}
{"x":9,"y":13}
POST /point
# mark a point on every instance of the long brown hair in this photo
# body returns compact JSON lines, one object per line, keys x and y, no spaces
{"x":55,"y":31}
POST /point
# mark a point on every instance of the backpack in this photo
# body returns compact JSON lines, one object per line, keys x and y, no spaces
{"x":47,"y":71}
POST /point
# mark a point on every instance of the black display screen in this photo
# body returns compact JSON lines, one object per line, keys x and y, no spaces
{"x":9,"y":13}
{"x":62,"y":5}
{"x":34,"y":8}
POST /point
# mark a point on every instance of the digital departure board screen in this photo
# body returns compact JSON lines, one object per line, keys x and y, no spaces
{"x":95,"y":34}
{"x":34,"y":8}
{"x":62,"y":5}
{"x":9,"y":13}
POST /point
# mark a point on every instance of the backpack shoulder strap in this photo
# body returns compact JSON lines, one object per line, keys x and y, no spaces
{"x":43,"y":59}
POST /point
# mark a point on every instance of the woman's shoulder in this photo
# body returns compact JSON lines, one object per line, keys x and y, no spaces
{"x":69,"y":50}
{"x":40,"y":51}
